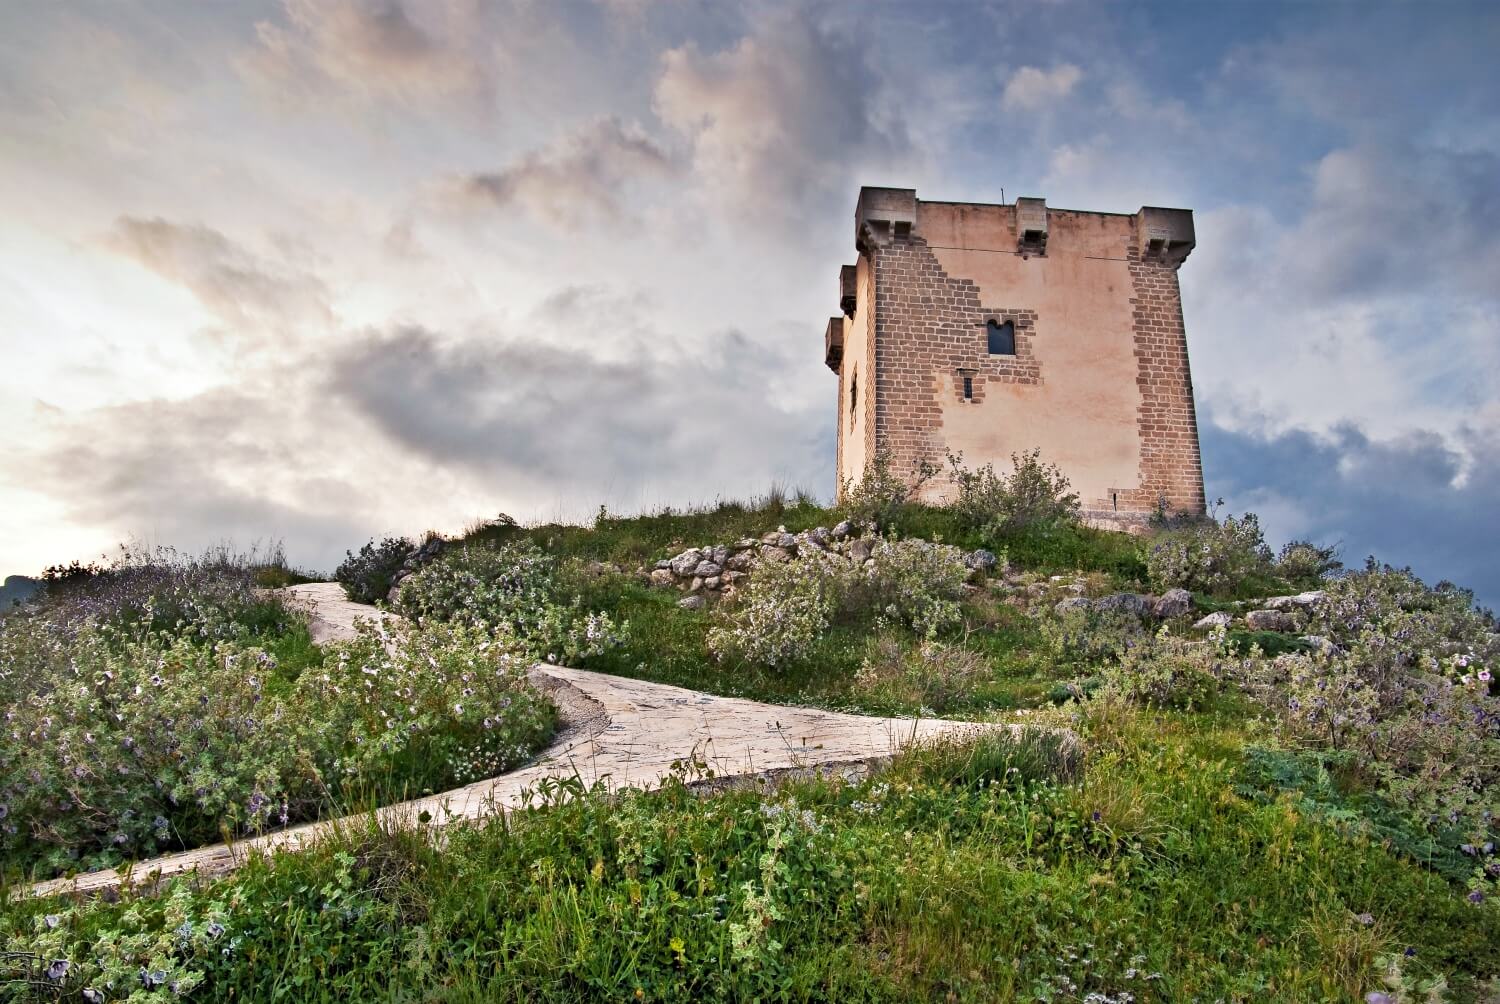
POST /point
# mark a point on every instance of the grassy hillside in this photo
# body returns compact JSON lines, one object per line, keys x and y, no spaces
{"x":1296,"y":809}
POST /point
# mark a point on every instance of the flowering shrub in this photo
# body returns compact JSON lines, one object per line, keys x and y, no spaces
{"x":915,"y":582}
{"x":787,"y":607}
{"x":1408,"y":689}
{"x":1086,"y":635}
{"x":784,"y":611}
{"x":117,"y":746}
{"x":366,"y":576}
{"x":1166,"y":671}
{"x":1034,"y":495}
{"x":1209,"y":556}
{"x":510,"y":588}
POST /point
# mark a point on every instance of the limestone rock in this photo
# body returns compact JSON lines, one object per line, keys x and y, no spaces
{"x":740,"y":561}
{"x":693,"y":602}
{"x":1074,"y":603}
{"x":1173,"y":603}
{"x":697,"y":584}
{"x":1219,"y":618}
{"x":711,"y":582}
{"x":1321,"y":645}
{"x":1269,"y":620}
{"x":684,"y":564}
{"x":842,"y":529}
{"x":718,"y":555}
{"x":861,"y":549}
{"x":981,"y":560}
{"x":662,"y":577}
{"x":1130,"y":603}
{"x":777,"y":555}
{"x":706,"y":569}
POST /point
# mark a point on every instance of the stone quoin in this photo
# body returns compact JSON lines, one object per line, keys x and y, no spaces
{"x":989,"y":330}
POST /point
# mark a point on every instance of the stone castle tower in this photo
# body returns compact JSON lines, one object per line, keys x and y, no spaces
{"x":995,"y":329}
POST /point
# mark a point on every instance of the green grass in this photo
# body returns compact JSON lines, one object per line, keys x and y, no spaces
{"x":949,"y":877}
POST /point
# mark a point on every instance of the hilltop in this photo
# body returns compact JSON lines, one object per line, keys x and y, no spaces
{"x":1281,"y":789}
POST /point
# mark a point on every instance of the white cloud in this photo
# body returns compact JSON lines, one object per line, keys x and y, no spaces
{"x":1031,"y":88}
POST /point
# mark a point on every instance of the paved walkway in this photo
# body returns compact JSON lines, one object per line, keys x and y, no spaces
{"x":628,"y":732}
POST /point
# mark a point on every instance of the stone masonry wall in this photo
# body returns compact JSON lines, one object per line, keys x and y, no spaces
{"x":930,"y":333}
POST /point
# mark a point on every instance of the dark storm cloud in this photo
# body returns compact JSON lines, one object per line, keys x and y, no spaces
{"x":238,"y":286}
{"x":1414,"y":499}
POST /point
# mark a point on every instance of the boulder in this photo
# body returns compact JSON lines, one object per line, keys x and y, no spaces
{"x":1269,"y":620}
{"x":842,"y":529}
{"x":740,"y":561}
{"x":393,"y":594}
{"x":684,"y":564}
{"x":861,"y":549}
{"x":718,"y":555}
{"x":1130,"y":603}
{"x":1173,"y":603}
{"x":662,"y":577}
{"x":786,"y":540}
{"x":711,"y":582}
{"x":1321,"y":645}
{"x":775,"y":554}
{"x":707,"y":569}
{"x":1217,"y":619}
{"x":696,"y":585}
{"x":663,"y":563}
{"x":818,"y":536}
{"x":1301,"y":601}
{"x":981,"y":560}
{"x":694,"y":602}
{"x":730,"y":578}
{"x":1074,"y":603}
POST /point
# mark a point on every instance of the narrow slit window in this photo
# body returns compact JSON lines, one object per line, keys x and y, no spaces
{"x":1002,"y":337}
{"x":968,"y":388}
{"x":853,"y":396}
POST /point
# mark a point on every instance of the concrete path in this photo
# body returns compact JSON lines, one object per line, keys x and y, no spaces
{"x":625,"y":732}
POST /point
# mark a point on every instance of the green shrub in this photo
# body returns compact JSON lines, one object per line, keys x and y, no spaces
{"x":1305,"y":564}
{"x":1209,"y":556}
{"x":117,"y":748}
{"x":1085,"y":636}
{"x":368,"y":575}
{"x":511,"y":588}
{"x":876,"y":499}
{"x":932,"y":676}
{"x":1034,"y":496}
{"x":1166,"y":671}
{"x":787,"y":607}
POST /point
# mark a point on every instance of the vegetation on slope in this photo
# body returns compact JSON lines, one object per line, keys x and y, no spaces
{"x":1264,"y":814}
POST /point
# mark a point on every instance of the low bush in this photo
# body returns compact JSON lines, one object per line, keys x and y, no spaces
{"x":125,"y":747}
{"x":1210,"y":556}
{"x":368,"y":575}
{"x":1305,"y":564}
{"x":931,"y":676}
{"x":1409,"y":689}
{"x":788,"y":606}
{"x":1166,"y":671}
{"x":1034,"y":496}
{"x":875,"y":501}
{"x":1086,"y":636}
{"x":513,"y":589}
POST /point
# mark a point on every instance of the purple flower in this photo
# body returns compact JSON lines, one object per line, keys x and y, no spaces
{"x":1365,"y":919}
{"x":1476,"y":896}
{"x":52,"y":920}
{"x":57,"y":970}
{"x":1376,"y":997}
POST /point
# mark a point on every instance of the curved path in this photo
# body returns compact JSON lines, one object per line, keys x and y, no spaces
{"x":626,"y":732}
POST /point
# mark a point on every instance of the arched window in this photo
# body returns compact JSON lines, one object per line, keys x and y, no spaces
{"x":1002,"y":337}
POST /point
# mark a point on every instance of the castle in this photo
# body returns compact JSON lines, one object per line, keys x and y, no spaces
{"x":989,"y":330}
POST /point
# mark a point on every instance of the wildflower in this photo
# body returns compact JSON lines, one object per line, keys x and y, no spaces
{"x":1366,"y":919}
{"x":58,"y":969}
{"x":92,"y":996}
{"x":1484,"y":676}
{"x":214,"y":929}
{"x":1476,"y":896}
{"x":1376,"y":997}
{"x":52,"y":920}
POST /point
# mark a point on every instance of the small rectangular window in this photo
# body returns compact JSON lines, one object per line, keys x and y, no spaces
{"x":1002,"y":337}
{"x":968,"y":388}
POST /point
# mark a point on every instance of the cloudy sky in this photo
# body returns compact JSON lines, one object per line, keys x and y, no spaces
{"x":319,"y":269}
